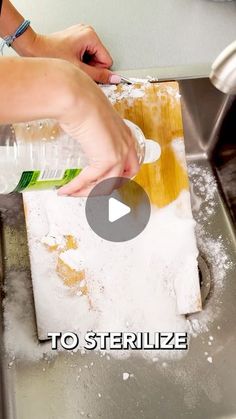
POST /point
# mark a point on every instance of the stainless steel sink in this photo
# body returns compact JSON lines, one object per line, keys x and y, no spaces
{"x":90,"y":386}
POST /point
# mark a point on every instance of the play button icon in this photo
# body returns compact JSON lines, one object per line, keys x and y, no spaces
{"x":117,"y":210}
{"x":119,"y":214}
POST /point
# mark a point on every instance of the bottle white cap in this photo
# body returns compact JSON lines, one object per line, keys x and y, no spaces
{"x":152,"y":151}
{"x":148,"y":151}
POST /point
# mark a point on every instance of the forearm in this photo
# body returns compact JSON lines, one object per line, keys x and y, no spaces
{"x":36,"y":88}
{"x":10,"y":20}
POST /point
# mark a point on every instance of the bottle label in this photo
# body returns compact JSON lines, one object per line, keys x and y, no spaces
{"x":45,"y":179}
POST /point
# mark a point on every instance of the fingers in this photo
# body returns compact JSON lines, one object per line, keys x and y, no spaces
{"x":92,"y":62}
{"x":102,"y":56}
{"x":88,"y":178}
{"x":83,"y":184}
{"x":96,"y":60}
{"x":100,"y":75}
{"x":97,"y":50}
{"x":132,"y":165}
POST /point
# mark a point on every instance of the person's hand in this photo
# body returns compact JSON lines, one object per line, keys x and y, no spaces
{"x":81,"y":46}
{"x":104,"y":137}
{"x":78,"y":44}
{"x":42,"y":88}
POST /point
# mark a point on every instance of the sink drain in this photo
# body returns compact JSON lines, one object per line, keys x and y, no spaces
{"x":204,"y":278}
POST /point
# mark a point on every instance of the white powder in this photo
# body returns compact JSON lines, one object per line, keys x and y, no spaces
{"x":213,"y":250}
{"x":209,"y":359}
{"x":82,"y":283}
{"x":125,"y":376}
{"x":122,"y":280}
{"x":52,"y":241}
{"x":178,"y":147}
{"x":73,"y":259}
{"x":204,"y":182}
{"x":172,"y":91}
{"x":20,"y":334}
{"x":49,"y":241}
{"x":128,"y":92}
{"x":160,"y":269}
{"x":146,"y":80}
{"x":116,"y":303}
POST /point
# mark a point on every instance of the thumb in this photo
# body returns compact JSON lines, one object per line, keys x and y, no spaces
{"x":100,"y":75}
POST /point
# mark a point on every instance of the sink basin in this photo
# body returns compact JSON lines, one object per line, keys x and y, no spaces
{"x":201,"y":384}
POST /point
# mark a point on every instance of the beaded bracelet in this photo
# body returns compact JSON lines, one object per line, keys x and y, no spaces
{"x":8,"y":40}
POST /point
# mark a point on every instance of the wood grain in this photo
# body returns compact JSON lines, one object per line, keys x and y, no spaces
{"x":158,"y":114}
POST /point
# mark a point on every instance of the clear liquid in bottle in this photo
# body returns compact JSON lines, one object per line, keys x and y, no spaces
{"x":40,"y":155}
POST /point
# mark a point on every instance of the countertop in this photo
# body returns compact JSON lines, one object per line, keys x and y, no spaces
{"x":185,"y":35}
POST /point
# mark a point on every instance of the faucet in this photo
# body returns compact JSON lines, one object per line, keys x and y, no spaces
{"x":223,"y":71}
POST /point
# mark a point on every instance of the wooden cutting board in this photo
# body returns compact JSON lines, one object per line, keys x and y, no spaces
{"x":156,"y":109}
{"x":158,"y":114}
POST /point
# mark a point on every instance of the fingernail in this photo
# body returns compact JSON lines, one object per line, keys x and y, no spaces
{"x":115,"y":79}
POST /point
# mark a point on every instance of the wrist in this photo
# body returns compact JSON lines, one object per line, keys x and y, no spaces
{"x":33,"y":44}
{"x":80,"y":97}
{"x":67,"y":86}
{"x":24,"y":45}
{"x":35,"y":89}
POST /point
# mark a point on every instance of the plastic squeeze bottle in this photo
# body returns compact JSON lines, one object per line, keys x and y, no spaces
{"x":39,"y":155}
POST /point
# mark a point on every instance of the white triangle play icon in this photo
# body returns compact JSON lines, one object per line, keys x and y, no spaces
{"x":117,"y":210}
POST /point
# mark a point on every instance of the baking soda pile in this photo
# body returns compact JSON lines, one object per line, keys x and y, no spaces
{"x":130,"y":286}
{"x":130,"y":92}
{"x":125,"y":303}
